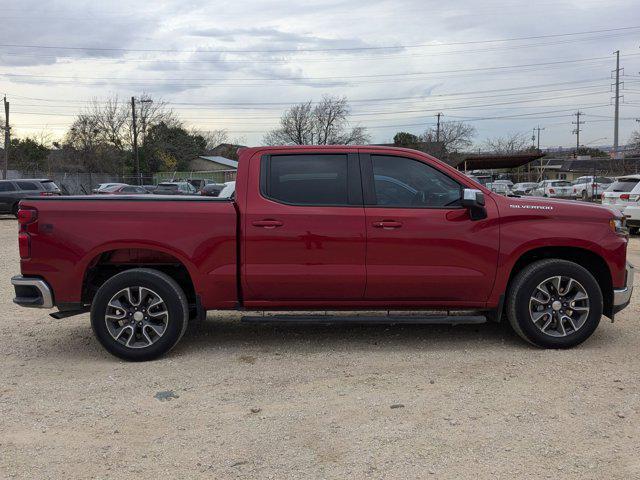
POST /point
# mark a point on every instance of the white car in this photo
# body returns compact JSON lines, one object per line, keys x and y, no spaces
{"x":588,"y":187}
{"x":553,"y":189}
{"x":623,"y":192}
{"x":499,"y":188}
{"x":103,"y":186}
{"x":228,"y":190}
{"x":523,"y":188}
{"x":632,"y":217}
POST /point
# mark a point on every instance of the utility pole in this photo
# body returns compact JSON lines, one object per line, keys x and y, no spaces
{"x":538,"y":129}
{"x":576,"y":131}
{"x":135,"y":138}
{"x":616,"y":118}
{"x":7,"y":139}
{"x":438,"y":127}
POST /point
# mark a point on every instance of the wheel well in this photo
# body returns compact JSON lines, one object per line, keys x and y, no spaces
{"x":594,"y":263}
{"x":107,"y":264}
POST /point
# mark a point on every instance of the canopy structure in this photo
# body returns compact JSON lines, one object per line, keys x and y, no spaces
{"x":489,"y":161}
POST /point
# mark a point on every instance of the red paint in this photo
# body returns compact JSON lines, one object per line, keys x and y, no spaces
{"x":315,"y":257}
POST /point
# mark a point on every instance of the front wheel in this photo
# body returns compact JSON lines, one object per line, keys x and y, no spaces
{"x":554,"y":304}
{"x":139,"y":314}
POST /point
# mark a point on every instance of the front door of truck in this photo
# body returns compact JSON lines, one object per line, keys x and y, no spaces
{"x":304,"y":229}
{"x":421,"y":244}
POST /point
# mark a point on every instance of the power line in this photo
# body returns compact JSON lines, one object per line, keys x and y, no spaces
{"x":335,"y":49}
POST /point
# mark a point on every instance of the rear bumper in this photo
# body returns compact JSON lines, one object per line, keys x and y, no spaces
{"x":622,"y":296}
{"x":32,"y":292}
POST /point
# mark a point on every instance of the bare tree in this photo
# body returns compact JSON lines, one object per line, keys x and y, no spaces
{"x":212,"y":137}
{"x":508,"y":144}
{"x":325,"y":124}
{"x":634,"y":141}
{"x":455,"y":136}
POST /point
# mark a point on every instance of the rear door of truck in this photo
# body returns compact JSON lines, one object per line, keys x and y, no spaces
{"x":304,"y":228}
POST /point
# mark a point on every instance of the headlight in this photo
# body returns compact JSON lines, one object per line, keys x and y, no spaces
{"x":617,"y":226}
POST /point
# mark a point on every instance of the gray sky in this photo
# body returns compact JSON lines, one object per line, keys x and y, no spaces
{"x":237,"y":64}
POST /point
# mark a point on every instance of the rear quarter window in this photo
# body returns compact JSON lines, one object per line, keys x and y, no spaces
{"x":27,"y":186}
{"x":49,"y":186}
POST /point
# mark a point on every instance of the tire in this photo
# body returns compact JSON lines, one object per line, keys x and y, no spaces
{"x":585,"y":196}
{"x":634,"y":230}
{"x":14,"y":209}
{"x":520,"y":304}
{"x":127,"y":333}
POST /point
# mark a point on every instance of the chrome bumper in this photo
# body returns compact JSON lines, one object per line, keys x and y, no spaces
{"x":622,"y":296}
{"x":32,"y":292}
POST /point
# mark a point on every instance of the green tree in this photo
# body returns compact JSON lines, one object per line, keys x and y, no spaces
{"x":405,"y":139}
{"x":28,"y":155}
{"x":167,"y":146}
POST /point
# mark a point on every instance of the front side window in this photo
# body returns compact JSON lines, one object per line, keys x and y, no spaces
{"x":27,"y":186}
{"x":403,"y":182}
{"x":307,"y":179}
{"x":6,"y":187}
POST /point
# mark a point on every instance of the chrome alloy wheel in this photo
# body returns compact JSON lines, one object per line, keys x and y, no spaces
{"x":559,"y":306}
{"x":136,"y":317}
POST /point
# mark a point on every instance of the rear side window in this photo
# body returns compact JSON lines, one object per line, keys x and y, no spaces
{"x":623,"y":185}
{"x":404,"y":182}
{"x":27,"y":186}
{"x":306,"y":179}
{"x":7,"y":187}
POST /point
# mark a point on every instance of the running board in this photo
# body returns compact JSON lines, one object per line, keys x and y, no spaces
{"x":368,"y":319}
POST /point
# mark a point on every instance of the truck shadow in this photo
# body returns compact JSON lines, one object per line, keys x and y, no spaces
{"x":316,"y":337}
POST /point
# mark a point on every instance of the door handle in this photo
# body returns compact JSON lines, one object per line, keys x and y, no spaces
{"x":387,"y":224}
{"x":267,"y":223}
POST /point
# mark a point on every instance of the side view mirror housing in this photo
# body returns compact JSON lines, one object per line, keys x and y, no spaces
{"x":473,"y":200}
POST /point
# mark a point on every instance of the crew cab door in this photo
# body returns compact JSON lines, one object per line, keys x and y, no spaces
{"x":304,"y":229}
{"x":422,"y":245}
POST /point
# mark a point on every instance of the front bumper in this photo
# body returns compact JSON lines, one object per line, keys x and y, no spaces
{"x":622,"y":296}
{"x":32,"y":292}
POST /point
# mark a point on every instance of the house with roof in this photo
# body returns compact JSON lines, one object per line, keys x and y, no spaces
{"x":212,"y":163}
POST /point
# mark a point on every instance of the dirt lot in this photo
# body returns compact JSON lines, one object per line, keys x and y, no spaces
{"x":243,"y":401}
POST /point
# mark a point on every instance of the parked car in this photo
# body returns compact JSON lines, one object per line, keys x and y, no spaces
{"x":523,"y":188}
{"x":309,"y":229}
{"x":149,"y":188}
{"x":124,"y":190}
{"x":500,"y":188}
{"x":586,"y":187}
{"x":175,"y":188}
{"x":212,"y":189}
{"x":508,"y":183}
{"x":622,"y":192}
{"x":632,"y":218}
{"x":102,"y":186}
{"x":199,"y":183}
{"x":12,"y":191}
{"x":553,"y":189}
{"x":228,"y":191}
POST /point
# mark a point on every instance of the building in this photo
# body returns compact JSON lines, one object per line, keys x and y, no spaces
{"x":572,"y":168}
{"x":212,"y":163}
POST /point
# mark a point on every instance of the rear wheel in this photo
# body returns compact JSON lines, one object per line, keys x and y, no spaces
{"x":585,"y":195}
{"x":554,"y":304}
{"x":14,"y":209}
{"x":139,"y":314}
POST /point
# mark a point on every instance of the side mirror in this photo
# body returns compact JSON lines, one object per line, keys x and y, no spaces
{"x":473,"y":200}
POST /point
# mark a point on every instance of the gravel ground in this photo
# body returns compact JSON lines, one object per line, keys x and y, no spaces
{"x":259,"y":401}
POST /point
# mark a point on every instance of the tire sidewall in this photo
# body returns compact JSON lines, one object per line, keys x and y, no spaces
{"x":523,"y":295}
{"x":175,"y":307}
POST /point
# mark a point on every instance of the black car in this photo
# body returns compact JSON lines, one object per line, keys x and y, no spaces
{"x":12,"y":191}
{"x":175,"y":188}
{"x":212,"y":189}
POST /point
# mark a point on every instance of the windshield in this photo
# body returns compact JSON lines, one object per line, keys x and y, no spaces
{"x":168,"y":186}
{"x":623,"y":185}
{"x":111,"y":188}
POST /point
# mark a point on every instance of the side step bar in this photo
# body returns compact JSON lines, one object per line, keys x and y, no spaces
{"x":367,"y":319}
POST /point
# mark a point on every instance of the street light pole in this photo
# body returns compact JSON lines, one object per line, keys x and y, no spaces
{"x":135,"y":139}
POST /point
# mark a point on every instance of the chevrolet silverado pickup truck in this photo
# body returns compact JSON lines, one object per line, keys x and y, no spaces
{"x":324,"y":228}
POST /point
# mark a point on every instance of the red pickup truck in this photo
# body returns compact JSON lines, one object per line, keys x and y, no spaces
{"x":324,"y":228}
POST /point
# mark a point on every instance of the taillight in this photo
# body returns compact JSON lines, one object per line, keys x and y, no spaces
{"x":574,"y":190}
{"x":551,"y":190}
{"x":624,"y":196}
{"x":27,"y":218}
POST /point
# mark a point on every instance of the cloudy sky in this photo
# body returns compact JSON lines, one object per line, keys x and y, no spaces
{"x":505,"y":66}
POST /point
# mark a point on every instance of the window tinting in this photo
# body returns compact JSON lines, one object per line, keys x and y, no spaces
{"x":27,"y":186}
{"x":7,"y":187}
{"x":308,"y":179}
{"x":49,"y":186}
{"x":403,"y":182}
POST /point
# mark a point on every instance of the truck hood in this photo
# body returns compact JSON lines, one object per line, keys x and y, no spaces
{"x":555,"y":207}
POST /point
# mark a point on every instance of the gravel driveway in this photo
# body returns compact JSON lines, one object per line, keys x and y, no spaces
{"x":260,"y":401}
